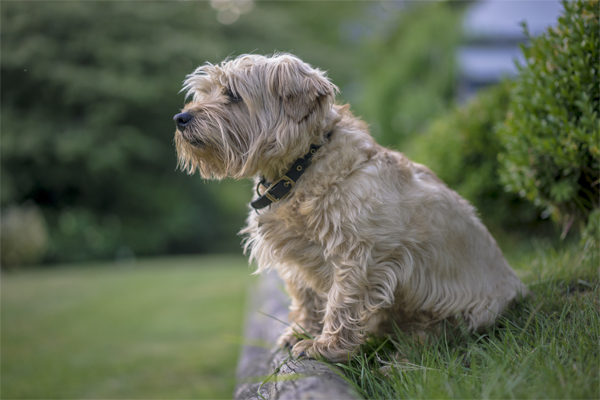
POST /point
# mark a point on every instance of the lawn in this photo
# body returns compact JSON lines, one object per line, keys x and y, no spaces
{"x":161,"y":328}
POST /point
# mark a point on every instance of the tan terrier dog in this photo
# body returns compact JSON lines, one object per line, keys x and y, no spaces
{"x":362,"y":236}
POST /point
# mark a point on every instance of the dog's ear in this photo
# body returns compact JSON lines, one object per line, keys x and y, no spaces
{"x":302,"y":89}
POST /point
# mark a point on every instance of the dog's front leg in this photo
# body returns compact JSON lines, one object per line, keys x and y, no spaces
{"x":355,"y":306}
{"x":305,"y":315}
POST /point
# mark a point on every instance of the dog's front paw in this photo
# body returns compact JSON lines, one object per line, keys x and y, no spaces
{"x":304,"y":348}
{"x":318,"y":348}
{"x":288,"y":339}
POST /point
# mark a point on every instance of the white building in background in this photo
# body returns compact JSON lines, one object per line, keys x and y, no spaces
{"x":493,"y":33}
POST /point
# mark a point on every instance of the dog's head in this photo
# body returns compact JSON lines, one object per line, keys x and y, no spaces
{"x":251,"y":114}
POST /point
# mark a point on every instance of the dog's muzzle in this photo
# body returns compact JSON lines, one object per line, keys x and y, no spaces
{"x":182,"y":120}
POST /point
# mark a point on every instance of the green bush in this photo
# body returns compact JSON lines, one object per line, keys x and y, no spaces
{"x":461,"y":147}
{"x":551,"y":134}
{"x":23,"y":236}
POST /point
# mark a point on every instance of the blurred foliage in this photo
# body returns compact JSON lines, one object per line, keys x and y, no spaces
{"x":461,"y":147}
{"x":23,"y":236}
{"x":410,"y":72}
{"x":551,"y":134}
{"x":590,"y":235}
{"x":88,"y":94}
{"x":89,"y":91}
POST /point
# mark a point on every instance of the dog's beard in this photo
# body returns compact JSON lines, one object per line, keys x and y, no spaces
{"x":206,"y":148}
{"x":194,"y":141}
{"x":197,"y":153}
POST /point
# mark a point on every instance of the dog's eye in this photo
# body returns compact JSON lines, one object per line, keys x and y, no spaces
{"x":232,"y":97}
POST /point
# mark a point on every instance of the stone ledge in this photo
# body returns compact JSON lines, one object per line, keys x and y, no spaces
{"x":292,"y":379}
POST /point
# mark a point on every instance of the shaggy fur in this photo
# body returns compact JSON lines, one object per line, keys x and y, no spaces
{"x":366,"y":237}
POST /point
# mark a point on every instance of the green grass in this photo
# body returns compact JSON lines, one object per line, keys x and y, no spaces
{"x":170,"y":328}
{"x":546,"y":347}
{"x":162,"y":328}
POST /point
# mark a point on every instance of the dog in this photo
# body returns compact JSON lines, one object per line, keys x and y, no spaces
{"x":363,"y":238}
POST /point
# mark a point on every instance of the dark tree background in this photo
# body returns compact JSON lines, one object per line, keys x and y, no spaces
{"x":88,"y":94}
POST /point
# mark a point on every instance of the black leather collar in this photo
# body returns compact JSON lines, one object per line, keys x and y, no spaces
{"x":281,"y":187}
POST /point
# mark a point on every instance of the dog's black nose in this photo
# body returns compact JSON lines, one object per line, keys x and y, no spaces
{"x":181,"y":120}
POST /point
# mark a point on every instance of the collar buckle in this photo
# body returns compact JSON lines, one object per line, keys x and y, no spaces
{"x":284,"y":185}
{"x":288,"y":185}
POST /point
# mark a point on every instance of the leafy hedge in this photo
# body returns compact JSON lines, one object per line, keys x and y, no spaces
{"x":461,"y":147}
{"x":551,"y":135}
